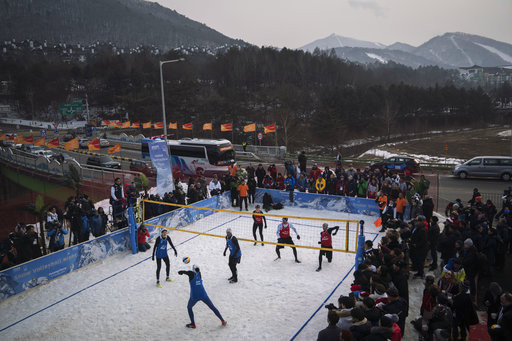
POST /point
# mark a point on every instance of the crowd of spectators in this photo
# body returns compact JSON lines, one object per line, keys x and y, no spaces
{"x":469,"y":247}
{"x":75,"y":224}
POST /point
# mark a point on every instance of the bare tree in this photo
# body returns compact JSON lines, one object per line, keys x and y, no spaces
{"x":389,"y":115}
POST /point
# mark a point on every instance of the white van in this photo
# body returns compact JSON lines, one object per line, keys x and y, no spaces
{"x":486,"y":167}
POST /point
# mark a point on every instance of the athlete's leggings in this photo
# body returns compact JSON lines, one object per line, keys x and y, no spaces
{"x":159,"y":265}
{"x":255,"y":227}
{"x":208,"y":302}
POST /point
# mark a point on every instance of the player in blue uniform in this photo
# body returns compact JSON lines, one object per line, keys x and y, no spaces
{"x":161,"y":254}
{"x":235,"y":254}
{"x":197,"y":293}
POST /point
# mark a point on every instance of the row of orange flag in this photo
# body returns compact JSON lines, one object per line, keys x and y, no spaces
{"x":187,"y":126}
{"x":70,"y":145}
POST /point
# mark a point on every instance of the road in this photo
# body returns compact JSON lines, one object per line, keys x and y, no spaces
{"x":452,"y":188}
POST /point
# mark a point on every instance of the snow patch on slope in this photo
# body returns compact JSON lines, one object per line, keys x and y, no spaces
{"x":375,"y":56}
{"x":470,"y":61}
{"x":502,"y":55}
{"x":505,"y":133}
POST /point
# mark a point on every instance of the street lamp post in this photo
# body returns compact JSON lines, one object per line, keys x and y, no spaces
{"x":162,"y":87}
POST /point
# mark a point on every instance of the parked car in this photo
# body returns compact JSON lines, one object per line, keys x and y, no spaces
{"x":104,"y":143}
{"x":68,"y":137}
{"x":62,"y":157}
{"x":397,"y":163}
{"x":103,"y":161}
{"x":43,"y":152}
{"x":143,"y":167}
{"x":486,"y":167}
{"x":83,"y":143}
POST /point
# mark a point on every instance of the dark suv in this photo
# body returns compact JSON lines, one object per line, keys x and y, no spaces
{"x":143,"y":167}
{"x":103,"y":161}
{"x":398,"y":164}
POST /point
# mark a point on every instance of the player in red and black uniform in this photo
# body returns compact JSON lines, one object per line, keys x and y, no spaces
{"x":258,"y":223}
{"x":284,"y":237}
{"x":326,"y":242}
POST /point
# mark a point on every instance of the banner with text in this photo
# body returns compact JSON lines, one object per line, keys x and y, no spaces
{"x":160,"y":158}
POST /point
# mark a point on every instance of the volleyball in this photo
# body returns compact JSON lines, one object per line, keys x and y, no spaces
{"x":186,"y":260}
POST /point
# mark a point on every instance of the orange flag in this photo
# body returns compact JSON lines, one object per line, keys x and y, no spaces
{"x":250,"y":128}
{"x":112,"y":124}
{"x":115,"y":149}
{"x":40,"y":142}
{"x":159,"y":125}
{"x":226,"y":127}
{"x":18,"y":139}
{"x":146,"y":125}
{"x":71,"y":144}
{"x":119,"y":124}
{"x":126,"y":124}
{"x":378,"y":223}
{"x":3,"y":137}
{"x":270,"y":128}
{"x":173,"y":125}
{"x":54,"y":143}
{"x":187,"y":126}
{"x":136,"y":125}
{"x":105,"y":123}
{"x":28,"y":140}
{"x":207,"y":126}
{"x":94,"y":145}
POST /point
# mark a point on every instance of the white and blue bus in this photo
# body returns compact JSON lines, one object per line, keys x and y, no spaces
{"x":196,"y":156}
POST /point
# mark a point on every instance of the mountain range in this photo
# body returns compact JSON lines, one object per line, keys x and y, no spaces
{"x":450,"y":50}
{"x":126,"y":23}
{"x":130,"y":23}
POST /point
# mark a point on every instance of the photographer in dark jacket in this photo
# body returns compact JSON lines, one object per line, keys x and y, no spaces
{"x":418,"y":247}
{"x":433,"y":237}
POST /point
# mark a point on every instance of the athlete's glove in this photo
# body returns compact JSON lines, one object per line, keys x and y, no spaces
{"x":319,"y":242}
{"x":265,"y":226}
{"x":298,"y":237}
{"x":224,"y":253}
{"x":153,"y":259}
{"x":175,"y":253}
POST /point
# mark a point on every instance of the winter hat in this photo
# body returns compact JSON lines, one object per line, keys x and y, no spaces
{"x":392,"y":317}
{"x":195,"y":267}
{"x":468,"y":242}
{"x":228,"y":230}
{"x":434,"y":219}
{"x":393,"y":292}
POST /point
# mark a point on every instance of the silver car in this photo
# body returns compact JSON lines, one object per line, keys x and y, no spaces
{"x":486,"y":167}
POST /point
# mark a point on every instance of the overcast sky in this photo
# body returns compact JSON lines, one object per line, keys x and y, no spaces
{"x":294,"y":23}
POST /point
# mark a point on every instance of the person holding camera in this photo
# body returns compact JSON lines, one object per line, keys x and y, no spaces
{"x":142,"y":234}
{"x":56,"y":235}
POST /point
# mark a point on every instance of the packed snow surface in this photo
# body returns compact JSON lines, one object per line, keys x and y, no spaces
{"x":117,"y":298}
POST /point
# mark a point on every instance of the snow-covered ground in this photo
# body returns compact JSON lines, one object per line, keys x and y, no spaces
{"x":421,"y":157}
{"x":117,"y":298}
{"x":505,"y":133}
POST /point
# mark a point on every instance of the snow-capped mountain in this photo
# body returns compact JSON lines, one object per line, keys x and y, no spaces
{"x":334,"y":41}
{"x":451,"y":50}
{"x":461,"y":49}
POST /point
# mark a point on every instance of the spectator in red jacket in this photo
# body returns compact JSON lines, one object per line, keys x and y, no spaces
{"x":142,"y":234}
{"x":315,"y":172}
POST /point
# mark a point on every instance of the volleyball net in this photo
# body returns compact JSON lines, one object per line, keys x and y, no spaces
{"x":213,"y":222}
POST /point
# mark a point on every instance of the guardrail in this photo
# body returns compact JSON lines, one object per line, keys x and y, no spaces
{"x":367,"y":162}
{"x":278,"y":152}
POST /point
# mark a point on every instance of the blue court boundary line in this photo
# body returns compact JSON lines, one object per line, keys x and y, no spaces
{"x":104,"y":279}
{"x":323,"y":303}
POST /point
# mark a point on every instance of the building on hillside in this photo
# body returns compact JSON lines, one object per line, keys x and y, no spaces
{"x":489,"y":76}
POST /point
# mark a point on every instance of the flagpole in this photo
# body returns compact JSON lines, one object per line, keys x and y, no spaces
{"x":275,"y":132}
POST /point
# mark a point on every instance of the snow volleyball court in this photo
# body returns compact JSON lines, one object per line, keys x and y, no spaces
{"x":117,"y":298}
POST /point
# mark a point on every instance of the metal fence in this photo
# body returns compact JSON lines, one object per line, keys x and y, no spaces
{"x":275,"y":152}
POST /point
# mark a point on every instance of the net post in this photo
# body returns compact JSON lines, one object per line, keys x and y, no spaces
{"x":132,"y":226}
{"x":360,"y":245}
{"x":346,"y":237}
{"x":143,"y":210}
